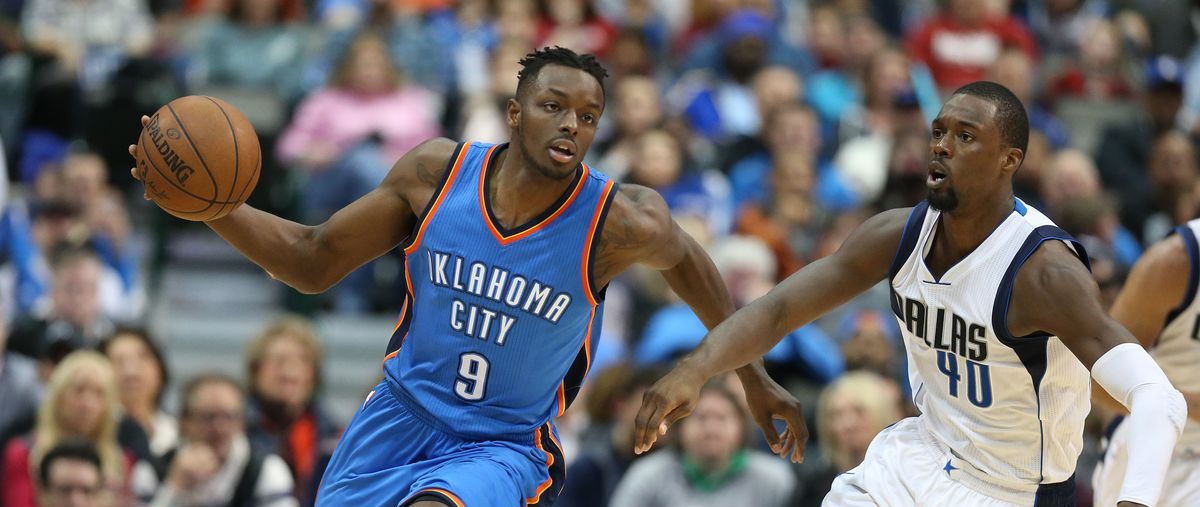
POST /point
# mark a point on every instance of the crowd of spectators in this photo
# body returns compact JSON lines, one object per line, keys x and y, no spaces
{"x":771,"y":127}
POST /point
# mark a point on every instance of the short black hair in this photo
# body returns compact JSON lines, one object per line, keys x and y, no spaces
{"x":67,"y":449}
{"x":1010,"y":112}
{"x":533,"y":63}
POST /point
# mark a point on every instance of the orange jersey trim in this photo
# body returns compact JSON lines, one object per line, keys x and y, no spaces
{"x":441,"y":196}
{"x":587,"y":247}
{"x":537,"y":495}
{"x":404,"y":312}
{"x":487,"y":218}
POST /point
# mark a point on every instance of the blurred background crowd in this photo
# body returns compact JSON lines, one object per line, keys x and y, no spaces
{"x":143,"y":362}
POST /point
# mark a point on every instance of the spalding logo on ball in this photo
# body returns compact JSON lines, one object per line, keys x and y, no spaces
{"x":199,"y":158}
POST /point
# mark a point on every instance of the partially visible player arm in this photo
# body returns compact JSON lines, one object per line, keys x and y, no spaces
{"x":1054,"y":293}
{"x":1156,"y":285}
{"x":861,"y":262}
{"x":312,"y":258}
{"x":639,"y":226}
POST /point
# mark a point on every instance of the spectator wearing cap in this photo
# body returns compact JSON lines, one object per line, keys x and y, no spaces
{"x":960,"y":42}
{"x":715,"y":93}
{"x":1124,"y":150}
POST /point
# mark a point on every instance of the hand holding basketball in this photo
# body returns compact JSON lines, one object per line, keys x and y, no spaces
{"x":197,"y":157}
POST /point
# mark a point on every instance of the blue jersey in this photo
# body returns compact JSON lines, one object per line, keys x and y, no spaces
{"x":497,"y":329}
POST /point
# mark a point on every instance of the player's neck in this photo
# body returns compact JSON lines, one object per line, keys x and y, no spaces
{"x":519,"y":191}
{"x":965,"y":228}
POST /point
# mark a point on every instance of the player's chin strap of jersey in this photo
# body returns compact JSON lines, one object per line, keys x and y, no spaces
{"x":1157,"y":413}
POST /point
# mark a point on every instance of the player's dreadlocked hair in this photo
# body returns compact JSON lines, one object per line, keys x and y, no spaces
{"x":1013,"y":122}
{"x":533,"y":62}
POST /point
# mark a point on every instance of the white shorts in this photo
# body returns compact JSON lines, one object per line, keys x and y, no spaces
{"x":1180,"y":489}
{"x":904,"y":467}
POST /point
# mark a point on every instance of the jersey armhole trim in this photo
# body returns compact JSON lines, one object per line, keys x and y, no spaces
{"x":1189,"y":243}
{"x":1004,"y":292}
{"x":908,"y":238}
{"x":439,"y":194}
{"x":595,"y":296}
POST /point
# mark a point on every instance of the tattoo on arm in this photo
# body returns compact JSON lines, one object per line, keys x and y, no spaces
{"x":625,"y":236}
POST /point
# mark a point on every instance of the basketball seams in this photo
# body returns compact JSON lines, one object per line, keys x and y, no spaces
{"x":237,"y":159}
{"x":199,"y":156}
{"x":141,"y":147}
{"x":150,"y":162}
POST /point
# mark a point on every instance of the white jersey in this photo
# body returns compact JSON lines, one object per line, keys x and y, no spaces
{"x":1177,"y":349}
{"x":1010,"y":409}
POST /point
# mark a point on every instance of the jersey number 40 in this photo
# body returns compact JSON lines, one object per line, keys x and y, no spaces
{"x":979,"y":378}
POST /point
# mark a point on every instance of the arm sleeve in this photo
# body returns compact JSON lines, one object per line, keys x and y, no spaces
{"x":1157,"y":415}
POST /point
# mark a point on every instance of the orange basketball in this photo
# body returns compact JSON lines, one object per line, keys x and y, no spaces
{"x":198,"y":158}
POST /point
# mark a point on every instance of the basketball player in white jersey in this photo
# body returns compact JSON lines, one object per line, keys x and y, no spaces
{"x":1158,"y":304}
{"x":1001,"y":322}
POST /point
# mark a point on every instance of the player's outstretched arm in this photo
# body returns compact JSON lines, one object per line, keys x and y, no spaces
{"x":640,"y":212}
{"x":312,"y":258}
{"x":861,"y":262}
{"x":1054,"y":293}
{"x":1156,"y":285}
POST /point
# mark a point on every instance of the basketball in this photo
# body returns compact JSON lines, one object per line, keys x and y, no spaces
{"x":198,"y":158}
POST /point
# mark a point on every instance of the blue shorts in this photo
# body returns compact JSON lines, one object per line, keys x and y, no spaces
{"x":388,"y":456}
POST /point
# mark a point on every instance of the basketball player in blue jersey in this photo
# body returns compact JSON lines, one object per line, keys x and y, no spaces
{"x":1159,"y":306}
{"x":508,"y":249}
{"x":1001,"y":322}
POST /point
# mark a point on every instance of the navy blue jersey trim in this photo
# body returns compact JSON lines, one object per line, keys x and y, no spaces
{"x":489,"y":170}
{"x":437,"y":192}
{"x":1031,"y":348}
{"x":598,"y":294}
{"x":397,"y":339}
{"x":908,"y":239}
{"x":1004,"y":293}
{"x":1189,"y":243}
{"x":1059,"y":494}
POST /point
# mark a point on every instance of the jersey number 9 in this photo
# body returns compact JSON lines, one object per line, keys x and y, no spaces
{"x":471,"y":383}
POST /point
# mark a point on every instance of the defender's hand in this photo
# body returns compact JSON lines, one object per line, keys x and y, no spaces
{"x":670,"y":399}
{"x":769,"y":401}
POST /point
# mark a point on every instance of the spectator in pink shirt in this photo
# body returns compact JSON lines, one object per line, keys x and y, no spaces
{"x":346,"y":137}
